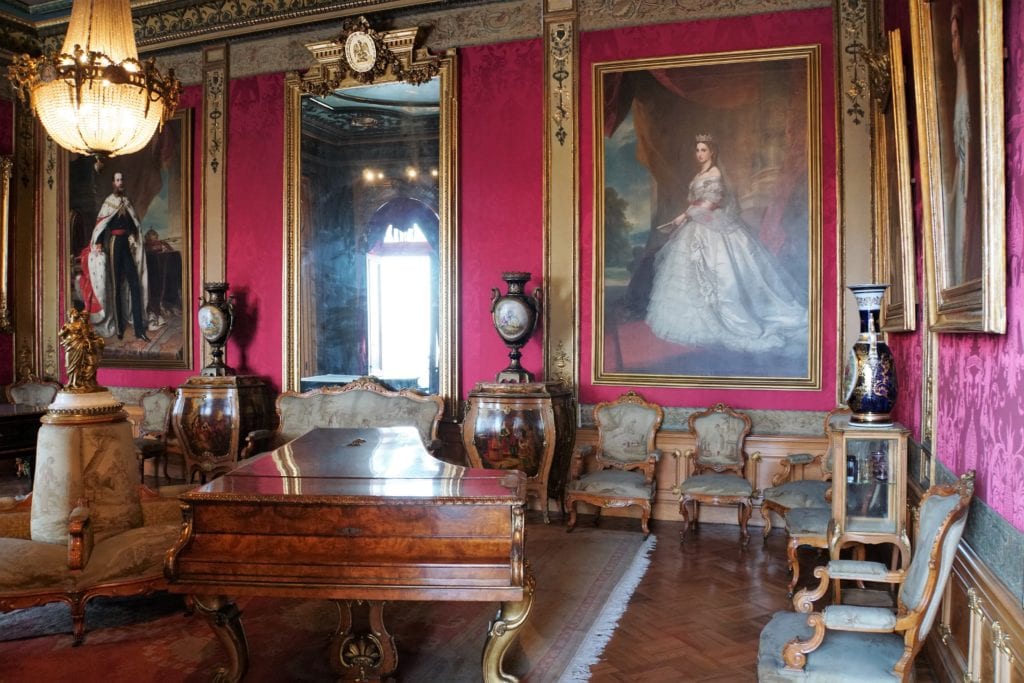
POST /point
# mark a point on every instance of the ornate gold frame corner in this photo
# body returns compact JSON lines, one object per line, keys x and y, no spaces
{"x":967,"y":302}
{"x":895,"y":261}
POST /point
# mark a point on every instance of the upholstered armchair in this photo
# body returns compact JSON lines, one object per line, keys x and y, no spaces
{"x":860,"y":644}
{"x":151,"y":442}
{"x":804,"y":481}
{"x":361,"y":403}
{"x":718,"y":474}
{"x":625,"y":458}
{"x":113,"y":543}
{"x":32,"y":391}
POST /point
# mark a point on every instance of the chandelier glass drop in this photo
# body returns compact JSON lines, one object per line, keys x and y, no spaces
{"x":95,"y":97}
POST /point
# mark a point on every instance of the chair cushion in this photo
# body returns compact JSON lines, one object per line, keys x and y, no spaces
{"x":857,"y":570}
{"x":843,"y":657}
{"x":30,"y":566}
{"x":802,"y":521}
{"x":716,"y":485}
{"x":804,"y":493}
{"x":855,"y":617}
{"x":613,"y":484}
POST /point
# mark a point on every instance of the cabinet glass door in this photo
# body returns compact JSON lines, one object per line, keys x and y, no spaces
{"x":870,"y":489}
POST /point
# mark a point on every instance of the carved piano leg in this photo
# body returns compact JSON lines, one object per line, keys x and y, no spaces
{"x":503,"y":631}
{"x":367,"y":652}
{"x":224,"y":618}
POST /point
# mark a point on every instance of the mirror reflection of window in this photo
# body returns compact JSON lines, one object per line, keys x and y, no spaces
{"x":397,"y":303}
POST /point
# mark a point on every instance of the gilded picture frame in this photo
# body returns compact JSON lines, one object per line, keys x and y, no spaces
{"x":664,"y":316}
{"x":895,"y":261}
{"x":958,"y":76}
{"x":129,"y":229}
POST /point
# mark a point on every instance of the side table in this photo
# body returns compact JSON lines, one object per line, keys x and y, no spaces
{"x":527,"y":427}
{"x":213,"y":415}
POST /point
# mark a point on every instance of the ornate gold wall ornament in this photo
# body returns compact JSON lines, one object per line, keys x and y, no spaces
{"x":561,"y":52}
{"x":561,"y":370}
{"x":362,"y":55}
{"x":51,"y":161}
{"x":214,"y":98}
{"x":853,"y":36}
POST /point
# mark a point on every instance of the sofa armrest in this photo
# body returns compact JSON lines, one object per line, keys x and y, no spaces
{"x":80,"y":538}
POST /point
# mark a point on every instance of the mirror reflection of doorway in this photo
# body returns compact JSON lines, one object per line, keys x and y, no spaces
{"x":401,"y":313}
{"x":369,"y":230}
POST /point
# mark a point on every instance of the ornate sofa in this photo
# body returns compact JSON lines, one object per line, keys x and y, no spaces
{"x":359,"y":404}
{"x":118,"y":553}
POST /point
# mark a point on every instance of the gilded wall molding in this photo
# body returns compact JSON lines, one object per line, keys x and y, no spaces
{"x":561,"y":192}
{"x":213,"y":265}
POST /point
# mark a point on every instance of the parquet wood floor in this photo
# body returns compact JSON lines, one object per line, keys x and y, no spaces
{"x":698,"y":612}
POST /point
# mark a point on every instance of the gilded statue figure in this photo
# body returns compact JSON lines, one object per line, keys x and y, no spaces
{"x":82,"y":351}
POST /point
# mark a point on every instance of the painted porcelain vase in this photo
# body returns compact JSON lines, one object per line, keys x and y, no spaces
{"x":870,"y":382}
{"x":514,"y":315}
{"x":216,"y":315}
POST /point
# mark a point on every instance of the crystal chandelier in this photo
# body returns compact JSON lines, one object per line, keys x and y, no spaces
{"x":96,"y":97}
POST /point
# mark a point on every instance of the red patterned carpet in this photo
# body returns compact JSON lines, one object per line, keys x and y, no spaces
{"x":584,"y":580}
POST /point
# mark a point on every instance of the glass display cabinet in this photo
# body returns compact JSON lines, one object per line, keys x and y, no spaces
{"x":869,"y":486}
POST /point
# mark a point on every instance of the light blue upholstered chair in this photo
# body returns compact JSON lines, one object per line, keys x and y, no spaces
{"x":852,"y":644}
{"x":625,"y":459}
{"x":808,"y":490}
{"x":719,"y":467}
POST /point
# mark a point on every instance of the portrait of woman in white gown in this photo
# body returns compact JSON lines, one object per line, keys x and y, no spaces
{"x":715,"y":283}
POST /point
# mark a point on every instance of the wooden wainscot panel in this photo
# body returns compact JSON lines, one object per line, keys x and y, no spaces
{"x":766,"y":451}
{"x":980,"y":634}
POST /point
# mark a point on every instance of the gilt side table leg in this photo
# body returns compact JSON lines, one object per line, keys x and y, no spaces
{"x":224,"y":618}
{"x":503,"y":631}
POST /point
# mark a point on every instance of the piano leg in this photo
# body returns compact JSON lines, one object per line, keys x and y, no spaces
{"x":504,"y":630}
{"x":224,"y":618}
{"x":366,"y":652}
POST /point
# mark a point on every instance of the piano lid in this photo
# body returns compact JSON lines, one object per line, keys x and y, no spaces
{"x":382,"y":463}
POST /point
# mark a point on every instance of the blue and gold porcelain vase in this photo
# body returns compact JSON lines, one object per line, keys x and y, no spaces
{"x":870,"y":382}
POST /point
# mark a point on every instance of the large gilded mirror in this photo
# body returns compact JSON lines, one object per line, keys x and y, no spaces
{"x":371,"y":243}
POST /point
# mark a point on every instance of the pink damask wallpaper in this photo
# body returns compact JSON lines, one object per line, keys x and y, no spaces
{"x":501,"y":193}
{"x":979,"y":421}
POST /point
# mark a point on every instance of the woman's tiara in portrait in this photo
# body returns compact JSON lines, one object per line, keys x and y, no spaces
{"x":705,"y":137}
